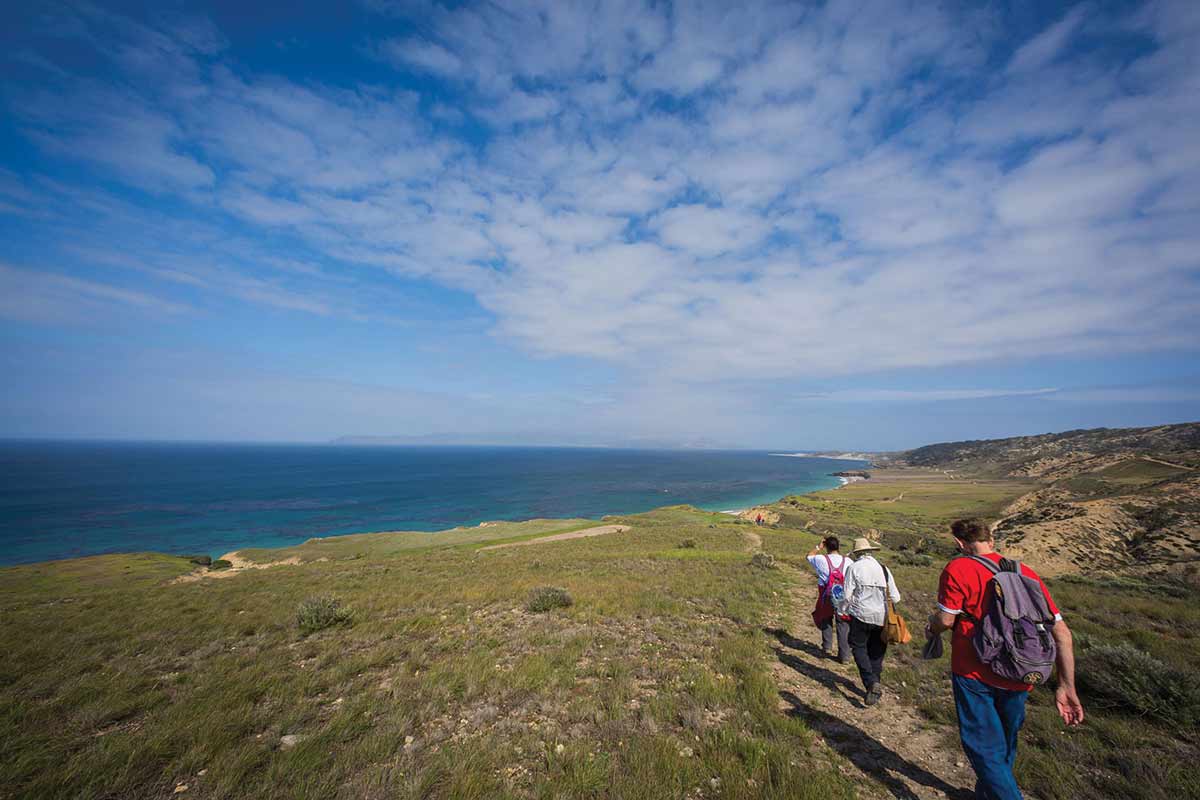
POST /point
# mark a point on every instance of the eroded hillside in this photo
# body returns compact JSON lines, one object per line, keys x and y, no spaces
{"x":1111,"y":500}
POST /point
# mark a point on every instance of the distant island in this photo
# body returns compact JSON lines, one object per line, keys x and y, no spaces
{"x":529,"y":440}
{"x":833,"y":455}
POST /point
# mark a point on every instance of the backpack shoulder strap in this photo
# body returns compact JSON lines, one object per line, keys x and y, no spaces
{"x":987,"y":562}
{"x":992,"y":568}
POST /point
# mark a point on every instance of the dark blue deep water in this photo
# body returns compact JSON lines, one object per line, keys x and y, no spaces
{"x":60,"y":500}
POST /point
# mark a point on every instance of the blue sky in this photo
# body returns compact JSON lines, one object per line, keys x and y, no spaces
{"x":785,"y":225}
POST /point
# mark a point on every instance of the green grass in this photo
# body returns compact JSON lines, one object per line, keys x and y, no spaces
{"x":903,"y":512}
{"x":1139,"y":470}
{"x":1129,"y":746}
{"x":387,"y":544}
{"x":1123,"y":478}
{"x":116,"y":682}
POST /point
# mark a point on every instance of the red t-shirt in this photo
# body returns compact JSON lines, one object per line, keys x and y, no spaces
{"x":962,"y":589}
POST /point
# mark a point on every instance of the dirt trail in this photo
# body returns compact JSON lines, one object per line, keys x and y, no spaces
{"x":892,"y":750}
{"x":237,"y":566}
{"x":1167,"y":463}
{"x":558,"y":537}
{"x":753,"y":541}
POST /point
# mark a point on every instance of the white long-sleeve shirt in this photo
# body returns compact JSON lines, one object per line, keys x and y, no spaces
{"x":864,"y":587}
{"x":821,"y":566}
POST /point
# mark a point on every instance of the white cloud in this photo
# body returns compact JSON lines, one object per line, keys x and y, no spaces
{"x":423,"y":55}
{"x":1047,"y":45}
{"x":781,"y":190}
{"x":47,"y":297}
{"x":924,"y":395}
{"x":117,"y":131}
{"x":707,"y":232}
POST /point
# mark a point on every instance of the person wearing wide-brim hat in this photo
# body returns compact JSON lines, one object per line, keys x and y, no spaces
{"x":866,"y":583}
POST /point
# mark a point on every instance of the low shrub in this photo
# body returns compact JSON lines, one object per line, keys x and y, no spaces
{"x":914,"y":559}
{"x":546,"y":598}
{"x":1127,"y":679}
{"x":687,"y":544}
{"x":1173,"y":586}
{"x":318,"y":613}
{"x":203,"y":561}
{"x":763,"y":561}
{"x":220,"y":563}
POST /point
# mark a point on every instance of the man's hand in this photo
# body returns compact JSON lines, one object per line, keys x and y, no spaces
{"x":939,"y":622}
{"x":1069,"y":707}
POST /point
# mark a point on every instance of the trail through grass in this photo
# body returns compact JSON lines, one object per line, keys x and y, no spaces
{"x":116,"y":682}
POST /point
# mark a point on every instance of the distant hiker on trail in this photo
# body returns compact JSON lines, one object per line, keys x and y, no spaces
{"x":830,"y":567}
{"x":758,"y":520}
{"x":1008,"y":635}
{"x":866,"y":583}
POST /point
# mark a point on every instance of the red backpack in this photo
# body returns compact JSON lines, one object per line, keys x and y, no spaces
{"x":836,"y":577}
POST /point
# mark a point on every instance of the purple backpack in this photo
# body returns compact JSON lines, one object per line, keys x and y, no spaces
{"x":1013,"y":638}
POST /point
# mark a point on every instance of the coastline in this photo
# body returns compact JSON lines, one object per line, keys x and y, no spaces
{"x":245,"y":536}
{"x":735,"y":512}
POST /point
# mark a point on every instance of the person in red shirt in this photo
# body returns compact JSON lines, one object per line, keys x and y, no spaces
{"x":991,"y":709}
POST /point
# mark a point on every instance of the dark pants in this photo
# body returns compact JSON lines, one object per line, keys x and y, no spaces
{"x":868,"y":646}
{"x":988,"y":722}
{"x":843,"y":632}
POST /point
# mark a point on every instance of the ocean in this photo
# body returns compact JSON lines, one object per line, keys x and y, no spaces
{"x":62,"y":500}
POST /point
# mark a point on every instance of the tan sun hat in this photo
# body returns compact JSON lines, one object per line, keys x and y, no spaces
{"x":862,"y":544}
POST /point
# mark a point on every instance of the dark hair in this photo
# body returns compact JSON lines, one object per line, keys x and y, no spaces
{"x":832,"y":544}
{"x":973,"y":529}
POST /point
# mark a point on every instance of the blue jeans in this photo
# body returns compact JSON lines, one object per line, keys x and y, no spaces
{"x":989,"y":720}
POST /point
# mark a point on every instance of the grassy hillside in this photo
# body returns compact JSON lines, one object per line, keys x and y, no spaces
{"x":1062,"y":454}
{"x":385,"y":545}
{"x":1114,"y":500}
{"x":1136,"y":641}
{"x":117,"y":682}
{"x":416,"y":665}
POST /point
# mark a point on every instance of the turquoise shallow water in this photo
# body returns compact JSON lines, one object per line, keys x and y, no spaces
{"x":61,"y":500}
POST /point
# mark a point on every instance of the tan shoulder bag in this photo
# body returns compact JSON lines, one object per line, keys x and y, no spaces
{"x":895,"y":630}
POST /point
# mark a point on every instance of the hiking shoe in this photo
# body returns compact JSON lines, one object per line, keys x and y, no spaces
{"x":874,"y":695}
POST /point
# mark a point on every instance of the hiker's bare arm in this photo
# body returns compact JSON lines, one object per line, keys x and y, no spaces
{"x":1069,"y":707}
{"x":939,"y":622}
{"x":816,"y":550}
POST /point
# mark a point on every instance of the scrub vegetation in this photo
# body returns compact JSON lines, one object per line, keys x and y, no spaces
{"x":116,"y":681}
{"x":641,"y":663}
{"x":1135,"y":637}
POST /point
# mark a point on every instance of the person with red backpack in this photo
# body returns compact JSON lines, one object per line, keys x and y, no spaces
{"x":1007,"y":636}
{"x":830,"y":567}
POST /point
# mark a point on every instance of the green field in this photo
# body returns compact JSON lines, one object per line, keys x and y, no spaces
{"x":1141,"y":737}
{"x":116,"y":681}
{"x":901,"y":511}
{"x":386,"y":545}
